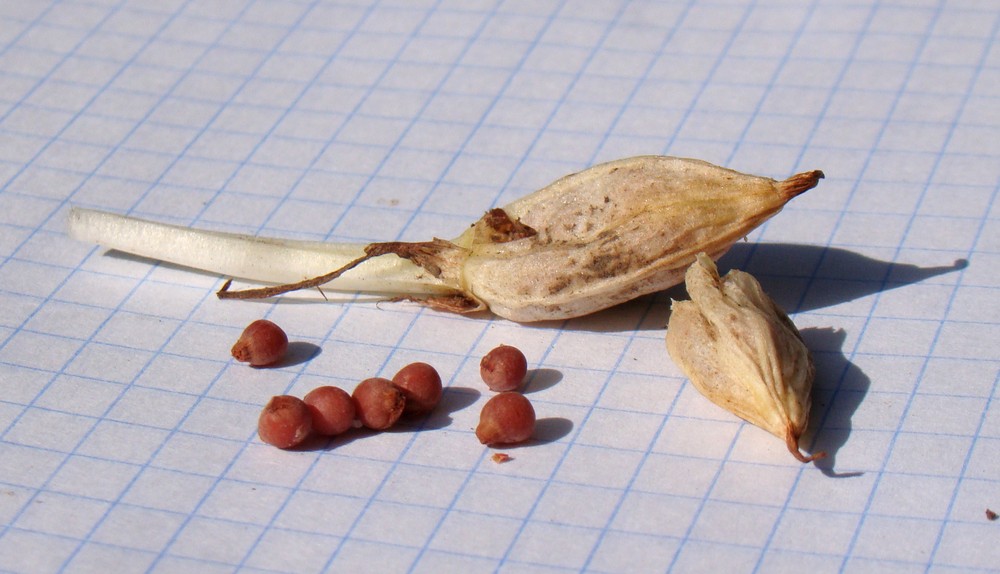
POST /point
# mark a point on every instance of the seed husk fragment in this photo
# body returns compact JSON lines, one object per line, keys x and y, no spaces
{"x":588,"y":241}
{"x":742,"y":352}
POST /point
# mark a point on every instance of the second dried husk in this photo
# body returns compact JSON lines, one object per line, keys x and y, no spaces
{"x":741,"y":351}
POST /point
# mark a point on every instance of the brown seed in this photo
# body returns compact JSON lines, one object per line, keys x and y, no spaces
{"x":285,"y":422}
{"x":507,"y":418}
{"x":332,"y":410}
{"x":420,"y":383}
{"x":262,"y":343}
{"x":503,"y":368}
{"x":991,"y":515}
{"x":378,"y":403}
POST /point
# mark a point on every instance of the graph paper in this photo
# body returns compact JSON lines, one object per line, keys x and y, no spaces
{"x":128,"y":435}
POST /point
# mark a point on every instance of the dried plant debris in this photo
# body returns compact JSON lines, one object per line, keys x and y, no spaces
{"x":742,"y":352}
{"x":586,"y":242}
{"x":991,"y":515}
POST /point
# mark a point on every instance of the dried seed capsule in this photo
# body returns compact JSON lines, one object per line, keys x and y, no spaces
{"x":332,"y":410}
{"x":507,"y":418}
{"x":285,"y":422}
{"x":599,"y":237}
{"x":420,"y":383}
{"x":378,"y":403}
{"x":503,"y":368}
{"x":743,"y":352}
{"x":262,"y":343}
{"x":588,"y":241}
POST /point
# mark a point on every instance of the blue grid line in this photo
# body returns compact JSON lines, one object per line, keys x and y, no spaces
{"x":104,"y":416}
{"x":666,"y":50}
{"x":207,"y":561}
{"x":610,"y":75}
{"x":931,"y":558}
{"x":770,"y":84}
{"x":300,"y":488}
{"x":790,"y":113}
{"x":6,"y":260}
{"x":28,"y":26}
{"x":583,"y":527}
{"x":788,"y":83}
{"x":423,"y":91}
{"x":257,"y":163}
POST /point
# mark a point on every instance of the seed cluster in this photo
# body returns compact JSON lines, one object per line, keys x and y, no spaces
{"x":378,"y":403}
{"x":508,"y":417}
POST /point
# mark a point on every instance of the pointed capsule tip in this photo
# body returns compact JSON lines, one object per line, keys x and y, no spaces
{"x":799,"y":183}
{"x":792,"y":441}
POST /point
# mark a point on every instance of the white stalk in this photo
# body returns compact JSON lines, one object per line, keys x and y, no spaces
{"x":257,"y":259}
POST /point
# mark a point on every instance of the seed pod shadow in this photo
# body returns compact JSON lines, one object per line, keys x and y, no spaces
{"x":551,"y":429}
{"x":453,"y":399}
{"x":541,"y":379}
{"x":318,"y":442}
{"x":547,"y":430}
{"x":809,"y":277}
{"x":838,"y":391}
{"x":299,"y":352}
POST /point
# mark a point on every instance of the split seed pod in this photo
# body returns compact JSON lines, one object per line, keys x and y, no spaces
{"x":742,"y":352}
{"x":586,"y":242}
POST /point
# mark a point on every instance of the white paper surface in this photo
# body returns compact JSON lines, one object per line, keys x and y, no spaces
{"x":128,"y":436}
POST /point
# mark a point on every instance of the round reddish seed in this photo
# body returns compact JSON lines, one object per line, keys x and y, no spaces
{"x":378,"y":403}
{"x":332,"y":410}
{"x":285,"y":422}
{"x":262,"y":343}
{"x":503,"y":368}
{"x":420,"y":383}
{"x":507,"y":418}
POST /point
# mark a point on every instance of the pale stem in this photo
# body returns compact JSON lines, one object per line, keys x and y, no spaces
{"x":250,"y":258}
